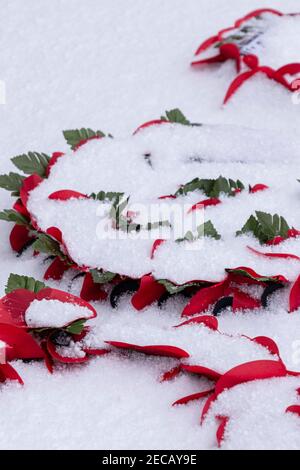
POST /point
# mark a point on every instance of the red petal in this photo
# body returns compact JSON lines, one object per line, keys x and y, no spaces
{"x":84,"y":141}
{"x":241,"y":300}
{"x":96,"y":352}
{"x":154,"y":122}
{"x":211,"y":60}
{"x":14,"y":305}
{"x":274,"y":255}
{"x":275,"y":241}
{"x":294,"y":300}
{"x":55,"y":156}
{"x":155,"y":245}
{"x":254,"y":275}
{"x":8,"y":372}
{"x":168,"y":196}
{"x":231,"y":51}
{"x":55,"y":233}
{"x":255,"y":370}
{"x":251,"y":60}
{"x":56,"y":270}
{"x":19,"y":237}
{"x":149,"y":291}
{"x":293,"y":233}
{"x":66,"y":360}
{"x":194,"y":396}
{"x":204,"y":298}
{"x":213,"y":201}
{"x":28,"y":184}
{"x":289,"y":69}
{"x":156,"y":350}
{"x":293,"y":409}
{"x":258,"y":187}
{"x":66,"y":194}
{"x":221,"y":429}
{"x":170,"y":374}
{"x":18,"y":206}
{"x":90,"y":290}
{"x":237,"y":83}
{"x":22,"y":345}
{"x":258,"y":12}
{"x":208,"y":320}
{"x":206,"y":406}
{"x":200,"y":370}
{"x":267,"y":343}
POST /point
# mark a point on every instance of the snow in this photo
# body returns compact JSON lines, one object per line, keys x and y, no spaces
{"x":53,"y":313}
{"x":113,"y":68}
{"x":112,"y":165}
{"x":199,"y":341}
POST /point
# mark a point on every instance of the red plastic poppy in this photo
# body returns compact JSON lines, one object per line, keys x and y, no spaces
{"x":155,"y":350}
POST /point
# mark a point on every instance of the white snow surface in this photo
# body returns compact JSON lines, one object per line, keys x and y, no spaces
{"x":112,"y":66}
{"x":53,"y":313}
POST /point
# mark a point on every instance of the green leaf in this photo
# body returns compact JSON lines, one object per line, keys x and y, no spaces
{"x":31,"y":163}
{"x":12,"y":182}
{"x":46,"y":244}
{"x":15,"y":281}
{"x":208,"y":230}
{"x":76,"y":327}
{"x":211,"y":187}
{"x":102,"y":277}
{"x":10,"y":215}
{"x":175,"y":115}
{"x":176,"y":288}
{"x":204,"y":230}
{"x":75,"y":136}
{"x":242,"y":272}
{"x":265,"y":227}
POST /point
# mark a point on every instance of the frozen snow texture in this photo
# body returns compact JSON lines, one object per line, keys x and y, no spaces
{"x":114,"y":66}
{"x":53,"y":313}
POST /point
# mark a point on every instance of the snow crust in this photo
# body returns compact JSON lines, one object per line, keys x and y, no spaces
{"x":53,"y":313}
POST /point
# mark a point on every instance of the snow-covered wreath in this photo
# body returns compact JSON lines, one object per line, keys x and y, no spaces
{"x":83,"y":212}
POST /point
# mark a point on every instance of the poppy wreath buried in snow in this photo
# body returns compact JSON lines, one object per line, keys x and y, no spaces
{"x":147,"y":289}
{"x":233,"y":44}
{"x":26,"y":341}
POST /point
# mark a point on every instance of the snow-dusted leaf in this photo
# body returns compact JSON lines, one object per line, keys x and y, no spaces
{"x":211,"y":187}
{"x":76,"y":136}
{"x":10,"y":215}
{"x":32,"y":163}
{"x":46,"y":244}
{"x":175,"y":115}
{"x":206,"y":229}
{"x":265,"y":227}
{"x":102,"y":277}
{"x":12,"y":182}
{"x":15,"y":281}
{"x":76,"y":327}
{"x":175,"y":288}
